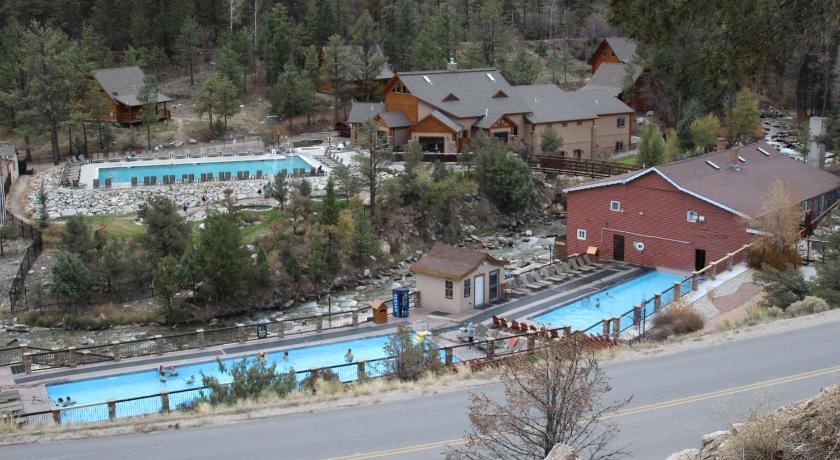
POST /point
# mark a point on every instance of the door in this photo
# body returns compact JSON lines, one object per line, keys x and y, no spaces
{"x":618,"y":247}
{"x":699,"y":259}
{"x":479,"y":290}
{"x":431,"y":144}
{"x":494,"y":285}
{"x":501,"y":136}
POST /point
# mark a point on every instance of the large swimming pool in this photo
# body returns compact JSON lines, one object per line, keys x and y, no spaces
{"x":614,"y":301}
{"x":269,"y":166}
{"x":145,"y":383}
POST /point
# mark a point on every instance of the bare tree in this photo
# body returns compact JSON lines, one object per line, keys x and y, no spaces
{"x":557,"y":399}
{"x":371,"y":160}
{"x":777,"y":223}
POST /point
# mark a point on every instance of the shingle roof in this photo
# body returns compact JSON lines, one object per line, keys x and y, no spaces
{"x":123,"y":84}
{"x":361,"y":112}
{"x":451,"y":262}
{"x":550,"y":104}
{"x":7,"y":150}
{"x":474,"y":88}
{"x":610,"y":78}
{"x":488,"y":120}
{"x":395,"y":119}
{"x":451,"y":124}
{"x":624,"y":48}
{"x":740,"y":192}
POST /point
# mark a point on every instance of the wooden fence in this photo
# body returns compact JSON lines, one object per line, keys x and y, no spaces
{"x":576,"y":167}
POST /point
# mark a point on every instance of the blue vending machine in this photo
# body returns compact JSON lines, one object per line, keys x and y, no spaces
{"x":399,"y":302}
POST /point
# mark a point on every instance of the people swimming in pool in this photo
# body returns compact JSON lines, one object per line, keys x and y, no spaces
{"x":161,"y":371}
{"x":60,"y":402}
{"x":190,"y":380}
{"x":348,"y":357}
{"x":162,"y":378}
{"x":285,"y":356}
{"x":261,"y":355}
{"x":69,"y":402}
{"x":597,"y":302}
{"x":172,"y":371}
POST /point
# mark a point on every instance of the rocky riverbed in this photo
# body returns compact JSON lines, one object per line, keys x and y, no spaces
{"x":779,"y":130}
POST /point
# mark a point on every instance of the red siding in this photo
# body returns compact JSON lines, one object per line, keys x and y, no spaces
{"x":653,"y":212}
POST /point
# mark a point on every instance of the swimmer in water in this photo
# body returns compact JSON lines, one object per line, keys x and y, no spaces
{"x":597,"y":302}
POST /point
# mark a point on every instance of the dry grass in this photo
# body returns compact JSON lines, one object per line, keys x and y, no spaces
{"x":675,"y":320}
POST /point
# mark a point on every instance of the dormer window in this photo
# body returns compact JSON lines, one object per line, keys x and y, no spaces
{"x":451,"y":97}
{"x":500,"y":93}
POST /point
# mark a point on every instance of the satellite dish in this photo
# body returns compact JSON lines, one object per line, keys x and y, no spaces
{"x":639,"y":246}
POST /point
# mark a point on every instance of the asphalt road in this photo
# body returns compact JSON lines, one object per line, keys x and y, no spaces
{"x":676,"y":399}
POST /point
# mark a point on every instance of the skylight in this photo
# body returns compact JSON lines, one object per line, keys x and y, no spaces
{"x":712,"y":164}
{"x":426,"y":77}
{"x":742,"y":159}
{"x":764,"y":152}
{"x":490,"y":77}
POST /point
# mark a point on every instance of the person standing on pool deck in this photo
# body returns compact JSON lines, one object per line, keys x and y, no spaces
{"x":470,"y":331}
{"x":349,"y":356}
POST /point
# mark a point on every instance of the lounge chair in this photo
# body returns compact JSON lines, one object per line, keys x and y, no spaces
{"x":534,"y":277}
{"x":557,"y":269}
{"x":512,"y":288}
{"x":582,"y":266}
{"x":571,"y":269}
{"x":527,"y":283}
{"x":548,"y":274}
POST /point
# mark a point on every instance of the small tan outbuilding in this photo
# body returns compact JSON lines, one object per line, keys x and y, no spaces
{"x":454,"y":280}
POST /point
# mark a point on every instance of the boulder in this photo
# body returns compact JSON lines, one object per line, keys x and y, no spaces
{"x":562,"y":452}
{"x":687,"y":454}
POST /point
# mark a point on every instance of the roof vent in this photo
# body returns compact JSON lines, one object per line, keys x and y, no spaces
{"x":713,"y":165}
{"x":764,"y":152}
{"x":490,"y":77}
{"x":426,"y":77}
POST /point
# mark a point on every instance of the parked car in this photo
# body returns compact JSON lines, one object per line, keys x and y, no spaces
{"x":343,"y":129}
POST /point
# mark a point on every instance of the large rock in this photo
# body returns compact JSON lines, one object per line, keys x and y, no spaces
{"x":562,"y":452}
{"x":687,"y":454}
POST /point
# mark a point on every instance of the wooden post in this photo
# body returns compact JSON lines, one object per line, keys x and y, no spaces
{"x":281,"y":332}
{"x":112,"y":410}
{"x":531,"y":342}
{"x":159,"y":344}
{"x":637,"y":315}
{"x":319,"y":323}
{"x":360,"y":370}
{"x":240,"y":332}
{"x":164,"y":401}
{"x":355,"y":318}
{"x":567,"y":331}
{"x":713,"y":270}
{"x":313,"y":373}
{"x":605,"y":324}
{"x":200,"y":337}
{"x":491,"y":348}
{"x":695,"y":281}
{"x":616,"y":327}
{"x":25,"y":358}
{"x":677,"y":294}
{"x":417,"y":303}
{"x":115,"y":350}
{"x":447,"y":353}
{"x":71,"y":356}
{"x":657,"y":302}
{"x":729,"y":258}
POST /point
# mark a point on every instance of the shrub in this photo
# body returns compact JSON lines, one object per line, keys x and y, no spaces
{"x":810,"y":304}
{"x":251,"y":379}
{"x":677,"y":320}
{"x":411,"y":360}
{"x":757,"y":439}
{"x":782,"y":287}
{"x":759,"y":313}
{"x":757,"y":257}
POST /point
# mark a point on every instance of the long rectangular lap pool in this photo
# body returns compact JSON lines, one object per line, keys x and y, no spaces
{"x":269,"y":166}
{"x":613,"y":301}
{"x":93,"y":393}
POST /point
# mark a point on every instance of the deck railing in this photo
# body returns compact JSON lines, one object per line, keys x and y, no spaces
{"x":580,"y":167}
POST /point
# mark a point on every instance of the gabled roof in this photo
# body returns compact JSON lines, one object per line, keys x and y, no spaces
{"x":452,"y":262}
{"x":361,"y":112}
{"x":123,"y":84}
{"x":550,"y":104}
{"x":488,"y":120}
{"x":741,"y":191}
{"x":473,"y":88}
{"x":610,"y":78}
{"x":624,"y":48}
{"x":395,"y":119}
{"x":451,"y":124}
{"x":8,"y":150}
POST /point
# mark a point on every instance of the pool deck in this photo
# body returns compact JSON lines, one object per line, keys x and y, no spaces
{"x":33,"y":386}
{"x":90,"y":171}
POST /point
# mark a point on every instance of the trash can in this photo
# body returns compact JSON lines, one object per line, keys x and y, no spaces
{"x":399,"y":302}
{"x":262,"y":331}
{"x":380,"y":312}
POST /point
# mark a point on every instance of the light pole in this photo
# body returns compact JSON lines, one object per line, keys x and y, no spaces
{"x":329,"y":304}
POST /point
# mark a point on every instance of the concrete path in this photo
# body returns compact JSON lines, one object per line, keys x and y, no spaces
{"x":677,"y":398}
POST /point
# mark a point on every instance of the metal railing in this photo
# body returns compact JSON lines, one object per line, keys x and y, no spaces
{"x":18,"y":290}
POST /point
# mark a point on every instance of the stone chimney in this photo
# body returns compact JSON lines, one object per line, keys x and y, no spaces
{"x":451,"y":65}
{"x":817,"y":126}
{"x":733,"y":159}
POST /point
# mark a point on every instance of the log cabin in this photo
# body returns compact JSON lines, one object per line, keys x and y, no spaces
{"x":119,"y":87}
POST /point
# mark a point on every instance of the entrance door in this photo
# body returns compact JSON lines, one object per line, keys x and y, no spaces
{"x":699,"y":259}
{"x":618,"y":248}
{"x":501,"y":136}
{"x":479,"y":290}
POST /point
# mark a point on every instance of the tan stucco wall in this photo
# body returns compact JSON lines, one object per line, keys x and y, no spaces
{"x":433,"y":290}
{"x":574,"y":137}
{"x":607,"y":133}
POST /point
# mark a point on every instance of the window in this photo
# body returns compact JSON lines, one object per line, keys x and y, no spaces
{"x":467,"y":288}
{"x":619,"y":146}
{"x":448,"y":289}
{"x":581,"y":234}
{"x":579,"y":123}
{"x":692,"y":216}
{"x":494,"y":285}
{"x":615,"y":206}
{"x":619,"y":122}
{"x":562,"y":153}
{"x":578,"y":153}
{"x":604,"y":53}
{"x":563,"y":124}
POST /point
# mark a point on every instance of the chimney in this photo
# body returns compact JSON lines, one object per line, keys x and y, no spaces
{"x":816,"y":149}
{"x":452,"y":66}
{"x":733,"y":159}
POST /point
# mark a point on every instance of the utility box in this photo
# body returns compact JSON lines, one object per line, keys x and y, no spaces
{"x":593,"y":253}
{"x":380,"y":312}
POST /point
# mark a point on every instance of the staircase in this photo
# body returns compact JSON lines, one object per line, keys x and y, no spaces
{"x":70,"y":174}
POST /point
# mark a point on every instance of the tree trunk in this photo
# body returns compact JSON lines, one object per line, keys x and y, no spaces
{"x":84,"y":136}
{"x":99,"y":128}
{"x":28,"y":146}
{"x":54,"y":143}
{"x":70,"y":140}
{"x":192,"y":73}
{"x":149,"y":135}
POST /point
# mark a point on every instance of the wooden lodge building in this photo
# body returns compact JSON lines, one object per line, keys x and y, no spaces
{"x":686,"y":214}
{"x":610,"y":63}
{"x":444,"y":110}
{"x":119,"y":87}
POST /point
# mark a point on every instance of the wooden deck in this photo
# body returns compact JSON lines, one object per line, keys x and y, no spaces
{"x":575,"y":167}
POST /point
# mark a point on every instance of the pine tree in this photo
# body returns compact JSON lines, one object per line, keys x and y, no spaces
{"x":550,"y":142}
{"x":167,"y":232}
{"x":521,"y":68}
{"x":336,"y":71}
{"x":276,"y":42}
{"x":491,"y":30}
{"x":148,"y":97}
{"x":224,"y":263}
{"x":743,"y":117}
{"x":277,"y":189}
{"x":368,"y":55}
{"x":329,"y":205}
{"x":228,"y":65}
{"x":186,"y":45}
{"x":16,"y":110}
{"x":92,"y":50}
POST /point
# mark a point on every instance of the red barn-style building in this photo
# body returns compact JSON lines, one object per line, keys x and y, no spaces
{"x":688,"y":213}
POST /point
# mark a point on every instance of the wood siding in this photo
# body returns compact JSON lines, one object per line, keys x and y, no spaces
{"x":431,"y":124}
{"x":598,"y":57}
{"x":652,"y":212}
{"x":400,"y":102}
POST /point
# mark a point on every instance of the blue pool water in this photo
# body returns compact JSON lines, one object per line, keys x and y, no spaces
{"x":136,"y":384}
{"x":268,"y":166}
{"x":615,"y":301}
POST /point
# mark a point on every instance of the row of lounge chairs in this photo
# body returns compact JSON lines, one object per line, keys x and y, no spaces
{"x":229,"y":151}
{"x":550,"y":275}
{"x":521,"y":327}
